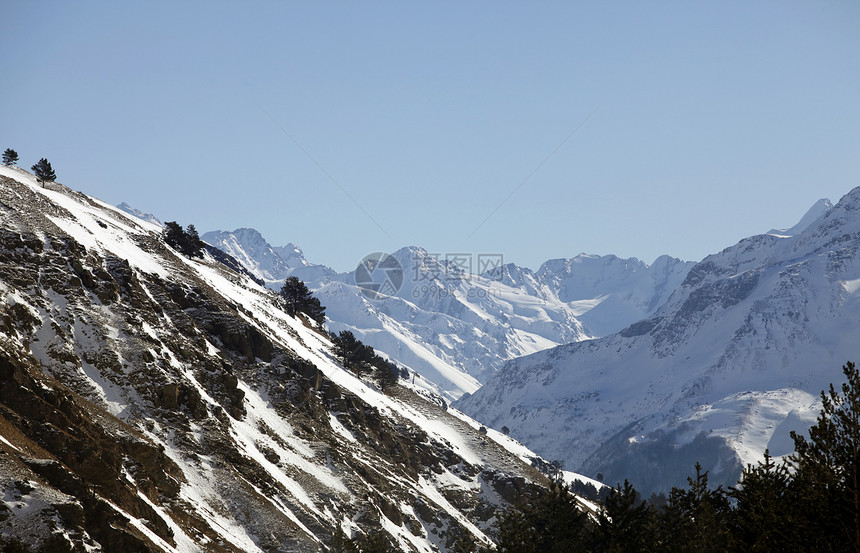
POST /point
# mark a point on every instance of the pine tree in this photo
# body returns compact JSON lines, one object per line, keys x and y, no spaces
{"x":625,"y":523}
{"x":44,"y":172}
{"x":827,"y":470}
{"x":315,"y":310}
{"x":299,"y":299}
{"x":173,"y":234}
{"x":762,"y":519}
{"x":696,"y":519}
{"x":293,"y":292}
{"x":516,"y":533}
{"x":388,"y":372}
{"x":352,"y":352}
{"x":193,"y":246}
{"x":185,"y":241}
{"x":10,"y":157}
{"x":548,"y":522}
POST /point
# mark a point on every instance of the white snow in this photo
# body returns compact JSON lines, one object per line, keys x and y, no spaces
{"x":10,"y":444}
{"x":737,"y":355}
{"x":301,"y":471}
{"x":456,"y":329}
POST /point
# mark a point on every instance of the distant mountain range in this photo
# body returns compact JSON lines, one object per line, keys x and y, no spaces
{"x":726,"y":367}
{"x":456,"y":327}
{"x":617,"y":367}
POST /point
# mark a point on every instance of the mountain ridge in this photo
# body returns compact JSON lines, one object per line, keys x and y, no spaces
{"x":709,"y":376}
{"x":154,"y":402}
{"x":456,"y":327}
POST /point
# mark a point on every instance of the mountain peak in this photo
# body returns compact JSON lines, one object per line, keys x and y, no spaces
{"x":249,"y":247}
{"x":818,"y":209}
{"x":730,"y":362}
{"x":148,"y":217}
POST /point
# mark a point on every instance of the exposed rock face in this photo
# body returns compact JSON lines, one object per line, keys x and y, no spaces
{"x":149,"y":402}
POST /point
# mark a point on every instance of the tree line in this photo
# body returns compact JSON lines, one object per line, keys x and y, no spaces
{"x":810,"y":501}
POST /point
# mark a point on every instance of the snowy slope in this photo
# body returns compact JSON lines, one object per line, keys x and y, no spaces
{"x":732,"y":362}
{"x":155,"y":402}
{"x":456,"y":328}
{"x":613,"y":292}
{"x":453,"y":328}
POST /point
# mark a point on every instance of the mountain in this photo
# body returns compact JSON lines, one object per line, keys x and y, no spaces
{"x":151,"y":402}
{"x":612,"y":292}
{"x":815,"y":212}
{"x":292,"y":255}
{"x":148,"y":217}
{"x":271,"y":264}
{"x":732,"y":362}
{"x":456,"y":319}
{"x":454,"y":328}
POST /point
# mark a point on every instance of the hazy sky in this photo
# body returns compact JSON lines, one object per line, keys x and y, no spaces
{"x":704,"y":122}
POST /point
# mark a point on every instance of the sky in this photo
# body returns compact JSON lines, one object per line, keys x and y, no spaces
{"x":530,"y":130}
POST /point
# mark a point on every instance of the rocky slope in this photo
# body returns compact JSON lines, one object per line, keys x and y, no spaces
{"x":730,"y":364}
{"x":151,"y":402}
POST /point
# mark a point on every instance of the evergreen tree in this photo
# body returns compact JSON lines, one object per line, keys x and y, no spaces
{"x":625,"y":523}
{"x":173,"y":234}
{"x":185,"y":241}
{"x":299,"y":299}
{"x":10,"y":157}
{"x":191,"y":234}
{"x":762,"y":519}
{"x":294,"y":292}
{"x":352,"y":352}
{"x":548,"y":522}
{"x":315,"y":310}
{"x":515,"y":533}
{"x":193,"y":246}
{"x":696,"y":519}
{"x":827,"y":470}
{"x":388,"y":372}
{"x":44,"y":172}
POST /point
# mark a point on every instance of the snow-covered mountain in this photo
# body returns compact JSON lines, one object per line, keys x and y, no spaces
{"x":266,"y":262}
{"x":732,"y":362}
{"x":818,"y":209}
{"x":455,"y":327}
{"x":608,"y":292}
{"x":148,"y":217}
{"x":153,"y":402}
{"x":452,"y":327}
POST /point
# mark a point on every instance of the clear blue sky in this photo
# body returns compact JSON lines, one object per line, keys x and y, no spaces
{"x":713,"y":121}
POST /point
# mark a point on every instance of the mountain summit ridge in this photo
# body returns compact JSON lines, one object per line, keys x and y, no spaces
{"x":739,"y":350}
{"x":456,"y":325}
